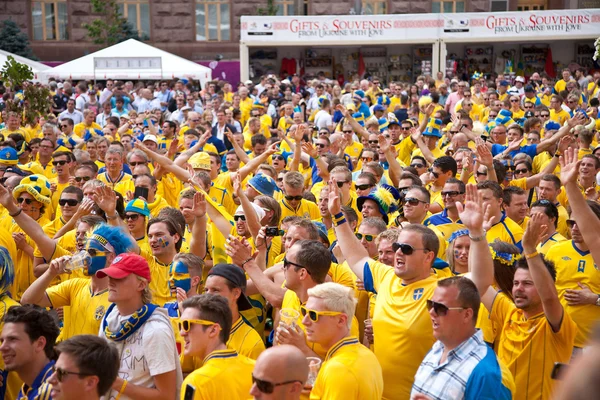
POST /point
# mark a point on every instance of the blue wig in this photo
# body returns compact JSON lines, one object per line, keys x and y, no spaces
{"x":116,"y":236}
{"x":7,"y":271}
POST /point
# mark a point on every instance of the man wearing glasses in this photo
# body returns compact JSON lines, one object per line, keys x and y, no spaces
{"x":86,"y":368}
{"x":447,"y":221}
{"x":205,"y":325}
{"x":557,"y":113}
{"x":280,"y":372}
{"x":62,"y":161}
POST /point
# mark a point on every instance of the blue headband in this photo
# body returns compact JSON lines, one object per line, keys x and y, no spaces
{"x":457,"y":234}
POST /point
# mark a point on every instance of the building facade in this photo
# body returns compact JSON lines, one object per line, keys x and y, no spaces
{"x":202,"y":29}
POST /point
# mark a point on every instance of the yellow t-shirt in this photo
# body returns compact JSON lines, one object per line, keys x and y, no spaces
{"x":159,"y":285}
{"x":529,"y":347}
{"x":349,"y":371}
{"x":121,"y":185}
{"x":306,"y":209}
{"x":547,"y":244}
{"x":506,"y":230}
{"x":560,"y":116}
{"x":402,"y":326}
{"x":245,"y":108}
{"x":12,"y":381}
{"x":158,"y":204}
{"x":574,"y":266}
{"x":80,"y":128}
{"x":224,"y":375}
{"x":85,"y":311}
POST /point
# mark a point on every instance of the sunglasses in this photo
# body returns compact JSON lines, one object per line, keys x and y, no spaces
{"x":320,"y":145}
{"x":64,"y":126}
{"x":314,"y":315}
{"x":514,"y":101}
{"x":521,"y":171}
{"x":290,"y":198}
{"x":571,"y":223}
{"x":348,"y":131}
{"x":341,"y":183}
{"x":238,"y":217}
{"x":481,"y":173}
{"x":71,"y":202}
{"x":441,"y":309}
{"x":322,"y":133}
{"x":268,"y":387}
{"x":136,"y":163}
{"x":364,"y":187}
{"x":406,"y":248}
{"x":132,"y":217}
{"x":545,"y":115}
{"x":368,"y":238}
{"x":186,"y":324}
{"x":61,"y":162}
{"x":373,"y":141}
{"x":413,"y":201}
{"x":61,"y":374}
{"x":451,"y":193}
{"x":432,"y":172}
{"x":22,"y":199}
{"x":277,"y":158}
{"x":417,"y":165}
{"x":492,"y":116}
{"x":405,"y":128}
{"x":287,"y":263}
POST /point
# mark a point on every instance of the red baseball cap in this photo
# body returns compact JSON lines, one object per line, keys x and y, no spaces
{"x":125,"y":264}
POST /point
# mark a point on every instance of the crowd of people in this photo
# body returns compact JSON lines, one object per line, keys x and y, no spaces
{"x":302,"y":239}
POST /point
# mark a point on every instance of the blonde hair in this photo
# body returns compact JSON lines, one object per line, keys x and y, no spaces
{"x":336,"y":298}
{"x":146,"y":293}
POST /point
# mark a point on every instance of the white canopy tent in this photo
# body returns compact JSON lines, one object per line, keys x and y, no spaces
{"x":129,"y":60}
{"x":35,"y":66}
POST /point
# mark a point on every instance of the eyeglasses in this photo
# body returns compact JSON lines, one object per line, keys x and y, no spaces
{"x":186,"y":324}
{"x":406,"y":248}
{"x":545,"y":115}
{"x":364,"y":187}
{"x":277,"y":157}
{"x":481,"y":173}
{"x":341,"y":183}
{"x":441,"y":309}
{"x":451,"y":193}
{"x":417,"y":165}
{"x":521,"y":171}
{"x":571,"y":223}
{"x":368,"y":238}
{"x":320,"y":145}
{"x":61,"y":162}
{"x":61,"y":374}
{"x":287,"y":263}
{"x":82,"y":178}
{"x":136,"y":163}
{"x":64,"y":126}
{"x":492,"y":116}
{"x":268,"y":387}
{"x":70,"y":202}
{"x":27,"y":201}
{"x":314,"y":315}
{"x":514,"y":101}
{"x":238,"y":217}
{"x":405,"y":128}
{"x":373,"y":141}
{"x":323,"y":133}
{"x":132,"y":217}
{"x":432,"y":172}
{"x":290,"y":198}
{"x":348,"y":131}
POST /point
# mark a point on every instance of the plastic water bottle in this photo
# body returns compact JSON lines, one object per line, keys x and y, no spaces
{"x":80,"y":260}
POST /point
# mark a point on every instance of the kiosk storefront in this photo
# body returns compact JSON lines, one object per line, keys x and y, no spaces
{"x":401,"y":47}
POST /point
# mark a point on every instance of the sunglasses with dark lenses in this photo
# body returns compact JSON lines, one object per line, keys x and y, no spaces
{"x":22,"y":199}
{"x":348,"y":131}
{"x":571,"y":223}
{"x":267,"y":387}
{"x":132,"y":217}
{"x":238,"y":217}
{"x":403,"y":189}
{"x":341,"y":183}
{"x":61,"y":374}
{"x":545,"y":115}
{"x":61,"y":162}
{"x":364,"y":187}
{"x":417,"y":165}
{"x":278,"y":157}
{"x":413,"y":201}
{"x":290,"y":198}
{"x":406,"y":248}
{"x":314,"y":314}
{"x":64,"y":126}
{"x":373,"y":141}
{"x":514,"y":101}
{"x":136,"y":163}
{"x":82,"y":178}
{"x":287,"y":263}
{"x":186,"y":324}
{"x":405,"y":128}
{"x":440,"y":309}
{"x":71,"y":202}
{"x":521,"y":171}
{"x":320,"y":145}
{"x":368,"y":238}
{"x":432,"y":172}
{"x":451,"y":193}
{"x":481,"y":173}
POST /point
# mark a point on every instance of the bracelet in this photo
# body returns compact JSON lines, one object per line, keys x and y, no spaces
{"x":247,"y":261}
{"x":340,"y":222}
{"x":17,"y":213}
{"x":112,"y":216}
{"x":317,"y":157}
{"x":123,"y":386}
{"x":477,"y":238}
{"x":339,"y":215}
{"x":530,"y":256}
{"x":557,"y":154}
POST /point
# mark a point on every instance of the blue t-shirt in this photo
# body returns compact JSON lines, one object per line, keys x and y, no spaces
{"x":530,"y":150}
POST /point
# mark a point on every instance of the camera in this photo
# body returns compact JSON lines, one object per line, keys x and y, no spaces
{"x":272,"y":231}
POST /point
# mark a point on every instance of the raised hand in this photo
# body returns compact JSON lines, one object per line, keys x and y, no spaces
{"x":343,"y":110}
{"x":237,"y":184}
{"x":310,"y":150}
{"x":273,"y":148}
{"x":299,"y":133}
{"x":6,"y":197}
{"x":569,"y":166}
{"x":384,"y":144}
{"x":199,"y":206}
{"x":334,"y":204}
{"x":534,"y":233}
{"x":106,"y":199}
{"x":238,"y":250}
{"x":173,"y":147}
{"x":484,"y":155}
{"x":472,"y":212}
{"x":564,"y":143}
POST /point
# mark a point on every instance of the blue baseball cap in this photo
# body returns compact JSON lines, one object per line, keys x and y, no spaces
{"x":138,"y":206}
{"x":263,"y":184}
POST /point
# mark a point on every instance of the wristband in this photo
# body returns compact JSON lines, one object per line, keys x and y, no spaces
{"x":123,"y":386}
{"x":112,"y":216}
{"x":477,"y":238}
{"x":340,"y":222}
{"x":17,"y":213}
{"x":339,"y":215}
{"x":530,"y":256}
{"x":247,"y":261}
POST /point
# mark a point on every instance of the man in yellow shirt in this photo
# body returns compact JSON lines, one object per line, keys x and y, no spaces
{"x":205,"y":326}
{"x":293,"y":204}
{"x":245,"y":105}
{"x":549,"y":213}
{"x":503,"y":228}
{"x":561,"y":84}
{"x":535,"y":319}
{"x":280,"y":372}
{"x":115,"y":177}
{"x":557,"y":113}
{"x":349,"y":370}
{"x":87,"y":124}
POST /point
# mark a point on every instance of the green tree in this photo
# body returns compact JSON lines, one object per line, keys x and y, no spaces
{"x":110,"y":28}
{"x":13,"y":40}
{"x":270,"y":9}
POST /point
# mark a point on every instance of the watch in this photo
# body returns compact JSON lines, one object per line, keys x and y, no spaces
{"x":598,"y":301}
{"x":477,"y":238}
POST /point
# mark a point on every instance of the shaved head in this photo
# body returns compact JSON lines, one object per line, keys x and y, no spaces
{"x":284,"y":363}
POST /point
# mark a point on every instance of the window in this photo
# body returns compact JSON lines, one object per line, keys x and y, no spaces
{"x":444,"y":7}
{"x":292,"y":7}
{"x":499,"y":5}
{"x":50,"y":20}
{"x":213,"y":21}
{"x":369,"y":7}
{"x":137,"y":13}
{"x":530,"y":5}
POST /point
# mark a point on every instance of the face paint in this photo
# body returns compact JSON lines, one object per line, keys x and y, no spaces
{"x":98,"y":254}
{"x":163,"y":242}
{"x":179,"y":277}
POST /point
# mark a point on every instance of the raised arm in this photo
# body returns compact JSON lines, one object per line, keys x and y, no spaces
{"x":252,"y":220}
{"x":298,"y":134}
{"x":168,"y":164}
{"x":542,"y":280}
{"x":353,"y":251}
{"x":587,"y":222}
{"x":198,"y":240}
{"x":578,"y":119}
{"x":254,"y":163}
{"x":358,"y":129}
{"x":236,"y":147}
{"x":394,"y":167}
{"x":484,"y":157}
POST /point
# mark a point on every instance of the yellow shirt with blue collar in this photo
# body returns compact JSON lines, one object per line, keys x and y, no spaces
{"x":306,"y":209}
{"x":444,"y":223}
{"x":121,"y":184}
{"x":505,"y":230}
{"x":40,"y":389}
{"x":11,"y":381}
{"x":547,"y":244}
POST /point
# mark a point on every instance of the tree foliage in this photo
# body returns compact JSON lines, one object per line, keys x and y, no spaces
{"x":13,"y":40}
{"x":270,"y":9}
{"x":110,"y":28}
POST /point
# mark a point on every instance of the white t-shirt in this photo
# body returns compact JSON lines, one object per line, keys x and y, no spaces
{"x":148,"y":352}
{"x":323,"y":119}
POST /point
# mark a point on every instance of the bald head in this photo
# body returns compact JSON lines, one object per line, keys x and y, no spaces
{"x":284,"y":363}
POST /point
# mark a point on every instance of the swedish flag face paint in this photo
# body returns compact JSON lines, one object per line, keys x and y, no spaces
{"x":179,"y":276}
{"x":98,"y":253}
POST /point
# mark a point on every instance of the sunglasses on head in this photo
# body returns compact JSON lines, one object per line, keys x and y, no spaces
{"x":61,"y":374}
{"x":413,"y":201}
{"x":451,"y":193}
{"x":364,"y":187}
{"x":22,"y":199}
{"x":314,"y":315}
{"x":238,"y":217}
{"x":132,"y":217}
{"x":406,"y":248}
{"x":290,"y":198}
{"x":71,"y":202}
{"x":267,"y":387}
{"x":441,"y":309}
{"x":186,"y":324}
{"x":61,"y":162}
{"x":368,"y":238}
